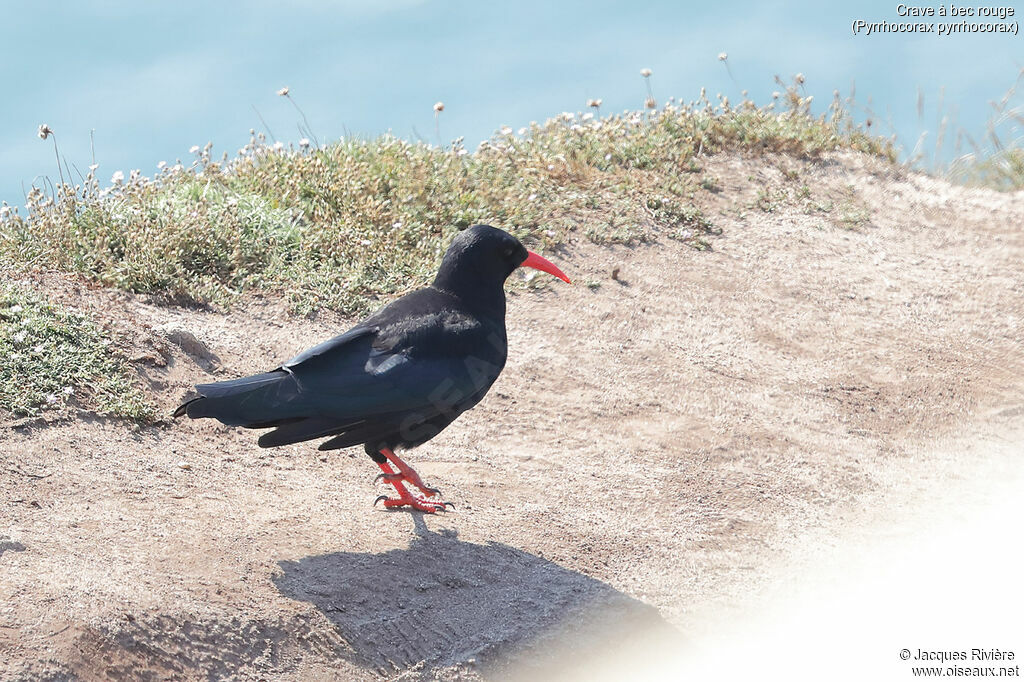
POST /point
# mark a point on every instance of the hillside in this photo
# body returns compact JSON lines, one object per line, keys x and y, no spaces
{"x":669,"y":436}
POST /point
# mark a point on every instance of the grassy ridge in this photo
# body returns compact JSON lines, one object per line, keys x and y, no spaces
{"x":352,"y":223}
{"x":349,"y":224}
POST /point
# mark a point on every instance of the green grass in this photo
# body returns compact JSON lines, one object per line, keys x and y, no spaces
{"x":355,"y":223}
{"x":52,"y":356}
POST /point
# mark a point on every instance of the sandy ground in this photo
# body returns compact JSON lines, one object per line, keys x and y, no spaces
{"x":665,"y":455}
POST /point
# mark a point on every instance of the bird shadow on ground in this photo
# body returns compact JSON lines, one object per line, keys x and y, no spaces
{"x":442,"y":602}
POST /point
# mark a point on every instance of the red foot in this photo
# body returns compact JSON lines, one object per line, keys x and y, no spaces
{"x":406,"y":474}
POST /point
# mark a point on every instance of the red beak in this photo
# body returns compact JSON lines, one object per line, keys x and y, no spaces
{"x":544,"y":265}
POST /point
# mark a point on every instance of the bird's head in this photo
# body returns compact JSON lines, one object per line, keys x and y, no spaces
{"x":482,"y":254}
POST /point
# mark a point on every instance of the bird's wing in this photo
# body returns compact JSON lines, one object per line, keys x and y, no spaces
{"x":359,"y":374}
{"x":277,"y":397}
{"x":330,"y":346}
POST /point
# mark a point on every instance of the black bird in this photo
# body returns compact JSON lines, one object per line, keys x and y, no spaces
{"x":397,"y":378}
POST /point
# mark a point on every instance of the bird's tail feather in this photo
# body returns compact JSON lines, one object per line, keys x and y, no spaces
{"x":258,"y":401}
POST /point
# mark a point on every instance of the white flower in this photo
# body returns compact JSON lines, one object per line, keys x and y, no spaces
{"x":45,"y":131}
{"x":194,"y":149}
{"x":117,"y":178}
{"x":68,"y":390}
{"x":587,"y":116}
{"x":461,"y":152}
{"x":799,"y":78}
{"x":646,"y":73}
{"x":366,"y":242}
{"x":93,"y":167}
{"x":505,"y":130}
{"x":38,"y":348}
{"x":51,"y":398}
{"x":594,"y":103}
{"x":522,"y":131}
{"x":722,"y":56}
{"x":532,"y":197}
{"x":15,"y":308}
{"x":568,"y":116}
{"x":551,"y":166}
{"x":20,"y":336}
{"x":278,"y":146}
{"x":438,"y":107}
{"x":161,"y":165}
{"x":304,"y":142}
{"x":607,"y":157}
{"x":283,"y":92}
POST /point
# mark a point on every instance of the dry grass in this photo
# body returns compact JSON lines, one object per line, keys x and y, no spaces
{"x":349,"y":224}
{"x":997,"y":159}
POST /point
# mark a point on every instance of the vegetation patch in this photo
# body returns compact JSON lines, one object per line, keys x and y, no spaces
{"x":54,"y":356}
{"x":346,"y":225}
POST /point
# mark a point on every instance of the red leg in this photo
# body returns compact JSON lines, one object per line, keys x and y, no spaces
{"x":404,"y":474}
{"x":408,"y":474}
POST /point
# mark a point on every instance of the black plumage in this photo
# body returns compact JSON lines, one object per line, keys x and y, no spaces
{"x":397,"y":378}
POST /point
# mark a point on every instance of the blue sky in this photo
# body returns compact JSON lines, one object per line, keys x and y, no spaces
{"x":152,"y":79}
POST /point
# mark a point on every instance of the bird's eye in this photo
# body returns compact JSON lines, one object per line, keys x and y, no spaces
{"x":508,"y":252}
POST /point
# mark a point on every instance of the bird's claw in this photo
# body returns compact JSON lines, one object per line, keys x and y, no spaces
{"x":417,"y":503}
{"x":421,"y":499}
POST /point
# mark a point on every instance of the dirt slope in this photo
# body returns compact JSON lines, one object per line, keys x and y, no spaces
{"x":658,"y":446}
